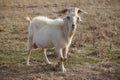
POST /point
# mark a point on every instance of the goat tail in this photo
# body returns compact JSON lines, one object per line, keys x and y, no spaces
{"x":28,"y":19}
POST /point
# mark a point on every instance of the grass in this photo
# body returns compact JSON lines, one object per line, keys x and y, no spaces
{"x":12,"y":63}
{"x":92,"y":56}
{"x":16,"y":57}
{"x":96,"y":42}
{"x":11,"y":57}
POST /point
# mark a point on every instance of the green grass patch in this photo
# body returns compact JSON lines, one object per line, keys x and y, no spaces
{"x":11,"y":57}
{"x":93,"y":56}
{"x":14,"y":57}
{"x":113,"y":55}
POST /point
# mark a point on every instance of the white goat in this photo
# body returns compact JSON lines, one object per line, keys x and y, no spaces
{"x":48,"y":33}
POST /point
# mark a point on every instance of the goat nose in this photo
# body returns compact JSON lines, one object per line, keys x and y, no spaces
{"x":73,"y":25}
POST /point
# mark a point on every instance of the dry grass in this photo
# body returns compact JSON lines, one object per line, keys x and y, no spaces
{"x":95,"y":48}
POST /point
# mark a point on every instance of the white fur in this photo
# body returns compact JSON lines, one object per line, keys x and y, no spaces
{"x":48,"y":33}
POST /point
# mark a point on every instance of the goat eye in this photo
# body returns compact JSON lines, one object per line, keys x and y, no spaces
{"x":68,"y":17}
{"x":78,"y":18}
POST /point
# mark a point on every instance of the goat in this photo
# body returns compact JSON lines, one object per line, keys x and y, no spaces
{"x":48,"y":33}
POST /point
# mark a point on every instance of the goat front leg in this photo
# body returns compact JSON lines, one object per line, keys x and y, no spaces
{"x":61,"y":58}
{"x":46,"y":58}
{"x":65,"y":53}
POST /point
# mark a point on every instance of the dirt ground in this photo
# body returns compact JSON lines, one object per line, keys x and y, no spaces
{"x":100,"y":29}
{"x":103,"y":71}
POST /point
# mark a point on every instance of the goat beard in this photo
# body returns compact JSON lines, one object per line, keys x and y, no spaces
{"x":68,"y":33}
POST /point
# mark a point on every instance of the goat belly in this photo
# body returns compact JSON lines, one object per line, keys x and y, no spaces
{"x":35,"y":46}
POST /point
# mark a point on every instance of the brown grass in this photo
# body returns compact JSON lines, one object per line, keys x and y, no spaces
{"x":95,"y":47}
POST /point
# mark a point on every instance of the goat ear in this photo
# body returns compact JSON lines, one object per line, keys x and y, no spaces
{"x":81,"y":11}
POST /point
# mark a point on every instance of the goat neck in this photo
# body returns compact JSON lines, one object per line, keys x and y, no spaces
{"x":67,"y":34}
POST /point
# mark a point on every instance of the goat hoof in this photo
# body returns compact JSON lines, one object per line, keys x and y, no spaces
{"x":28,"y":64}
{"x":60,"y":69}
{"x":63,"y":70}
{"x":48,"y":63}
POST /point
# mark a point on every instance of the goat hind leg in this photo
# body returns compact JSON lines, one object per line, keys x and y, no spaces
{"x":29,"y":46}
{"x":46,"y":58}
{"x":28,"y":58}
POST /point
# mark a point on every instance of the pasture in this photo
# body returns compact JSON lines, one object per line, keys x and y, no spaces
{"x":95,"y":49}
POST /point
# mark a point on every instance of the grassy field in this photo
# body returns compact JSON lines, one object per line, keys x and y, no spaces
{"x":95,"y":49}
